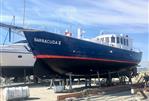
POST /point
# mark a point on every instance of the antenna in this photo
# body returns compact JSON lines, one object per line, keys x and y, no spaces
{"x":80,"y":32}
{"x":13,"y":23}
{"x":13,"y":20}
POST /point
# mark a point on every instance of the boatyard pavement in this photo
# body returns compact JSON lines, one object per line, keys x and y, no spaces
{"x":45,"y":94}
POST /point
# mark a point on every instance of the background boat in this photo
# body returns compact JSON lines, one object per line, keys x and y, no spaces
{"x":16,"y":59}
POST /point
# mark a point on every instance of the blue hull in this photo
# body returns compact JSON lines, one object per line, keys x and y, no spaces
{"x":64,"y":54}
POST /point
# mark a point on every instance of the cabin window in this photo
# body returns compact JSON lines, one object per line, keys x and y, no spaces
{"x":118,"y":41}
{"x":113,"y":39}
{"x":121,"y":40}
{"x":124,"y":41}
{"x":107,"y":39}
{"x":102,"y":39}
{"x":127,"y":42}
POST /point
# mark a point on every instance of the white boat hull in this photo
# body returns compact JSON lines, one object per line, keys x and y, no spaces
{"x":16,"y":59}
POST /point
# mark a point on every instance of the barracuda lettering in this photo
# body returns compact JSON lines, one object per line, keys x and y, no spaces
{"x":54,"y":42}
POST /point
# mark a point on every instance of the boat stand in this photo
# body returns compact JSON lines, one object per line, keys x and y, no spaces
{"x":70,"y":81}
{"x":78,"y":81}
{"x":88,"y":81}
{"x":24,"y":71}
{"x":52,"y":83}
{"x":122,"y":80}
{"x":130,"y":81}
{"x":99,"y":83}
{"x":109,"y":79}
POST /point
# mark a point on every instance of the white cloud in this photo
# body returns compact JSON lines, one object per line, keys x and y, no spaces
{"x":108,"y":12}
{"x":29,"y":22}
{"x":92,"y":12}
{"x":9,"y":19}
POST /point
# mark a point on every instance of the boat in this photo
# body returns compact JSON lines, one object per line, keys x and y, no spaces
{"x":16,"y":59}
{"x":64,"y":54}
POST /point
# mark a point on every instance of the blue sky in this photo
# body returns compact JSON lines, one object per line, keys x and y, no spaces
{"x":112,"y":16}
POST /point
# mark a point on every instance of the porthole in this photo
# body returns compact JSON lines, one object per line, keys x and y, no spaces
{"x":19,"y":56}
{"x":111,"y":51}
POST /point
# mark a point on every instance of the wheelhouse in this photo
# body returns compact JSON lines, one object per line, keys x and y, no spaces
{"x":114,"y":40}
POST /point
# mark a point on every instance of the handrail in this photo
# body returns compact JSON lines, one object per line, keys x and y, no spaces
{"x":136,"y":50}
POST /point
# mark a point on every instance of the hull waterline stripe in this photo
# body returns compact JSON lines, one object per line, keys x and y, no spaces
{"x":81,"y":58}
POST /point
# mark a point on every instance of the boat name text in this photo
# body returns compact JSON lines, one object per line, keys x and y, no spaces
{"x":47,"y":41}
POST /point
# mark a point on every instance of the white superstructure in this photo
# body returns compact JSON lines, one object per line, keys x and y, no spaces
{"x":114,"y":40}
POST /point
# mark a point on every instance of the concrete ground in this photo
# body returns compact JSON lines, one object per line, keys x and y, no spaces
{"x":120,"y":96}
{"x":43,"y":93}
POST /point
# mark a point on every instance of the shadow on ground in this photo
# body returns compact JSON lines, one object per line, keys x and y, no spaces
{"x":32,"y":98}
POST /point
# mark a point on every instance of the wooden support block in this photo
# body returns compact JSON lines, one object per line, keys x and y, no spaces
{"x":63,"y":97}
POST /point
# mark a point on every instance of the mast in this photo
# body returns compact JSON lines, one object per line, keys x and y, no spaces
{"x":24,"y":9}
